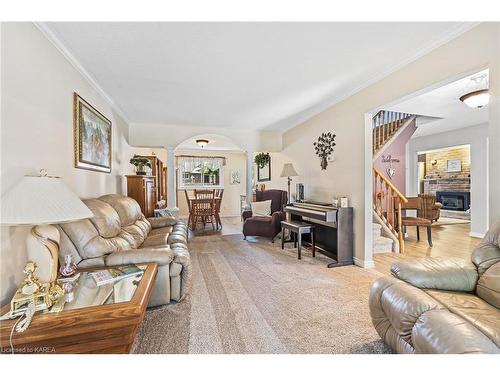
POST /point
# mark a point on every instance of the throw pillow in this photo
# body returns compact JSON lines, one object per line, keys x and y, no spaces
{"x":262,"y":208}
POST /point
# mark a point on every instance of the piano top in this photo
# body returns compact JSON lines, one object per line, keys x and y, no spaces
{"x":315,"y":210}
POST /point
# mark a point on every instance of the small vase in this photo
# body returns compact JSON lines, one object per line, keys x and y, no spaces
{"x":324,"y":163}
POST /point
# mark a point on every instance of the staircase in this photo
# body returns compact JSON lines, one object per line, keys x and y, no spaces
{"x":385,"y":125}
{"x":381,"y":244}
{"x":387,"y":198}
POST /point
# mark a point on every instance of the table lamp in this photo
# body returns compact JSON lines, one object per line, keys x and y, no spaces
{"x":289,"y":172}
{"x":40,"y":201}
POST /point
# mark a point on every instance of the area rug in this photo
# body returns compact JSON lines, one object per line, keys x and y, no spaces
{"x":253,"y":297}
{"x":449,"y":221}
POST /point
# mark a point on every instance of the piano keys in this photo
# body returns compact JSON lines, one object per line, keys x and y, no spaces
{"x":333,"y":229}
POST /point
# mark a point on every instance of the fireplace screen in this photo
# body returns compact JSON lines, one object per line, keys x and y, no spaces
{"x":454,"y":200}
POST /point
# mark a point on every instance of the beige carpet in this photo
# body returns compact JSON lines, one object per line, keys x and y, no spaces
{"x":253,"y":297}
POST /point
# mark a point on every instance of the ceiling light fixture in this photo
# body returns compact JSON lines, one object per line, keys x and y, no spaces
{"x":202,"y":142}
{"x":476,"y":99}
{"x":477,"y":94}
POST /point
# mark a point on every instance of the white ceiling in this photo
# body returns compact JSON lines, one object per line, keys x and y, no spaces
{"x":443,"y":109}
{"x":216,"y":143}
{"x":246,"y":75}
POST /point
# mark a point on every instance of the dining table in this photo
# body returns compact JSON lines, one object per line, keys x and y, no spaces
{"x":216,"y":200}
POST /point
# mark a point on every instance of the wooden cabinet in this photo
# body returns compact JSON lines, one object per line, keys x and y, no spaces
{"x":159,"y":171}
{"x":143,"y":190}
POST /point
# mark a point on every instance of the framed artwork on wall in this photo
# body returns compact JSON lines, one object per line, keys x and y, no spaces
{"x":92,"y":133}
{"x":454,"y":165}
{"x":264,"y":173}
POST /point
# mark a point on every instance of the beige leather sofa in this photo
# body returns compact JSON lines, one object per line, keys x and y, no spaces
{"x":436,"y":305}
{"x":120,"y":234}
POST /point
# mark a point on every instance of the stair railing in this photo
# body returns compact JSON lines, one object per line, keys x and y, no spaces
{"x":385,"y":124}
{"x":386,"y":197}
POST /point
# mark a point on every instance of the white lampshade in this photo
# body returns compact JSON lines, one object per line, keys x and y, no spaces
{"x":37,"y":200}
{"x":288,"y":170}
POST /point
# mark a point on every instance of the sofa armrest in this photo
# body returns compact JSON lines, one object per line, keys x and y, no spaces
{"x":438,"y":205}
{"x":160,"y":222}
{"x":161,"y":255}
{"x":246,"y":214}
{"x":277,"y":217}
{"x":437,"y":273}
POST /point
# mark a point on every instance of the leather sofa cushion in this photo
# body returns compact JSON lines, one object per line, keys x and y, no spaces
{"x":403,"y":304}
{"x":127,"y":208}
{"x":440,"y":331}
{"x":488,"y":286}
{"x":487,"y":252}
{"x":159,"y":222}
{"x":106,"y":219}
{"x":163,"y":230}
{"x":473,"y":309}
{"x":162,"y":255}
{"x":437,"y":273}
{"x":157,"y":240}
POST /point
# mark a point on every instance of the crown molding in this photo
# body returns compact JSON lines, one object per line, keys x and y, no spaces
{"x":51,"y":37}
{"x":315,"y":110}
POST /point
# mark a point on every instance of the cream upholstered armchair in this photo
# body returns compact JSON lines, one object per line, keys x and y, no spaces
{"x":119,"y":234}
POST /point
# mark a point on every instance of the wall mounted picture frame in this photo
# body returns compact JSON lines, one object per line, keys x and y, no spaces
{"x":264,"y":173}
{"x":92,"y":137}
{"x":454,"y":165}
{"x":235,"y":177}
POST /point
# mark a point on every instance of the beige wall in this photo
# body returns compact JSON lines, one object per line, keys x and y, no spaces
{"x":37,"y":85}
{"x":476,"y":49}
{"x":231,"y":198}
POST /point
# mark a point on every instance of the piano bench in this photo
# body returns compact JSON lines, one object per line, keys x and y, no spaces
{"x":298,"y":228}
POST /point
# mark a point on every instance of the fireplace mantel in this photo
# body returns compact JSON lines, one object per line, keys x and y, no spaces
{"x":432,"y":185}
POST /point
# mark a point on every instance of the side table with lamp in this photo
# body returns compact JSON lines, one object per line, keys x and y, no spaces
{"x":288,"y":172}
{"x":40,"y":201}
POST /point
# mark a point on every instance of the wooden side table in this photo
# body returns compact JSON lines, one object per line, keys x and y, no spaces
{"x":103,"y":328}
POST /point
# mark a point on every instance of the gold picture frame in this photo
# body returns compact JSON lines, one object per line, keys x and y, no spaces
{"x":92,"y":136}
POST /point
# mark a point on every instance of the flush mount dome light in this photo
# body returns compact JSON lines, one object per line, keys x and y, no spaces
{"x":202,"y":142}
{"x":476,"y":99}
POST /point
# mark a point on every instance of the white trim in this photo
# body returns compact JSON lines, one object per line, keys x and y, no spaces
{"x":455,"y":33}
{"x":368,"y":234}
{"x":477,"y":235}
{"x":51,"y":37}
{"x":363,"y":263}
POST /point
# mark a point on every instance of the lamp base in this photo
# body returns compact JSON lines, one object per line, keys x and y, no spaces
{"x":42,"y":245}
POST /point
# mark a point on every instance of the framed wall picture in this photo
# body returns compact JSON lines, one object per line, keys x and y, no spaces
{"x":454,"y":165}
{"x":92,"y":137}
{"x":264,"y":173}
{"x":235,"y":177}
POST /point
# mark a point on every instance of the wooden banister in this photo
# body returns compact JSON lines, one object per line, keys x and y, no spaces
{"x":385,"y":125}
{"x":385,"y":198}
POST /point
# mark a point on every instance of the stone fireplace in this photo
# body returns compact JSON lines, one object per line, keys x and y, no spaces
{"x":453,"y":193}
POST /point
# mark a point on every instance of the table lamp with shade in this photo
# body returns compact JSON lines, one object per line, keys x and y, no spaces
{"x":288,"y":172}
{"x":41,"y":201}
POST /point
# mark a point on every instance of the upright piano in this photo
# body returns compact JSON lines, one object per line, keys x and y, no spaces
{"x":334,"y":235}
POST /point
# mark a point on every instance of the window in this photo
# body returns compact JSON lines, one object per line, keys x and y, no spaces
{"x":195,"y":172}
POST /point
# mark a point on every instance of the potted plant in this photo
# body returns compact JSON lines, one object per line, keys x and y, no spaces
{"x":262,"y":159}
{"x":140,"y":162}
{"x":324,"y":147}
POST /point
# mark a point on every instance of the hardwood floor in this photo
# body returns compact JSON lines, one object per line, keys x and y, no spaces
{"x":449,"y":241}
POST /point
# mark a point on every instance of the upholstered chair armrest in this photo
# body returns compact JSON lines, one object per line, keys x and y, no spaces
{"x":246,"y":214}
{"x":160,"y":222}
{"x":438,"y":205}
{"x":437,"y":273}
{"x":160,"y":255}
{"x":278,"y":217}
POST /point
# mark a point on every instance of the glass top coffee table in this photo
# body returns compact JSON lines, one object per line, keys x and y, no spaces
{"x":87,"y":293}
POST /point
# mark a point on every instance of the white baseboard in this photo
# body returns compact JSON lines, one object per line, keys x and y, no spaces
{"x":477,"y":235}
{"x":364,"y":263}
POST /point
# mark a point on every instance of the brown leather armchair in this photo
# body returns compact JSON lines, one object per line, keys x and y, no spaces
{"x":266,"y":226}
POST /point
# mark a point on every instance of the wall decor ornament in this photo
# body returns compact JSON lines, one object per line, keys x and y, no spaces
{"x":92,"y":137}
{"x":324,"y":147}
{"x":391,"y":171}
{"x":263,"y":161}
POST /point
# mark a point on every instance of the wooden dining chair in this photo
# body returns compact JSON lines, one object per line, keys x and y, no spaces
{"x":218,"y":195}
{"x":203,"y":207}
{"x":416,"y":203}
